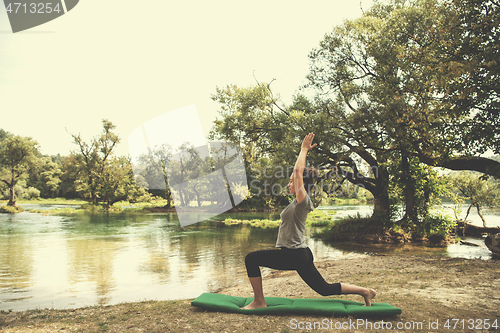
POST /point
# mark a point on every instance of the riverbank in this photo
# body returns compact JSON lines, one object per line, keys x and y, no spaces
{"x":427,"y":289}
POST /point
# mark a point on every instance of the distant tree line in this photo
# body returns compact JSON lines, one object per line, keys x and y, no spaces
{"x":90,"y":172}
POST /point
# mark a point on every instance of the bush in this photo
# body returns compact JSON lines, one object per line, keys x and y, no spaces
{"x":320,"y":218}
{"x":437,"y":224}
{"x":352,"y":227}
{"x":32,"y":193}
{"x":139,"y":194}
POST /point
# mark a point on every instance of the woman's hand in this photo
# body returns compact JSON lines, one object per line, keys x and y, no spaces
{"x":306,"y":144}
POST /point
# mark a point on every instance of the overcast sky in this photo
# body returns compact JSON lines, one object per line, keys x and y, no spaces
{"x":129,"y":61}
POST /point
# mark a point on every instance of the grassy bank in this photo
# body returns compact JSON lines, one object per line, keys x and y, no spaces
{"x":317,"y":218}
{"x":427,"y":289}
{"x":41,"y":201}
{"x":433,"y":230}
{"x":84,"y":206}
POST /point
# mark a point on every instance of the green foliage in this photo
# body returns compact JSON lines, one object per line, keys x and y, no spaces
{"x":48,"y":177}
{"x":264,"y":203}
{"x":152,"y":177}
{"x":428,"y":186}
{"x":316,"y":218}
{"x":356,"y":225}
{"x":17,"y":155}
{"x":70,"y":170}
{"x":467,"y":59}
{"x":31,"y":193}
{"x":138,"y":194}
{"x":320,"y":218}
{"x":477,"y":190}
{"x":257,"y":223}
{"x":92,"y":160}
{"x":270,"y":136}
{"x":436,"y":226}
{"x":18,"y":191}
{"x":3,"y":134}
{"x":98,"y":175}
{"x":10,"y":209}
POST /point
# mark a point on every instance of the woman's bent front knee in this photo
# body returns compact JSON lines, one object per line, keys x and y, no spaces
{"x":252,"y":264}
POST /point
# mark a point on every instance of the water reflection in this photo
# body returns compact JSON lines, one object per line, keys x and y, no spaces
{"x":16,"y":263}
{"x":88,"y":259}
{"x":91,"y":260}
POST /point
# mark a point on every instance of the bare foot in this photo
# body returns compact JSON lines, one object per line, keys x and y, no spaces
{"x":255,"y":305}
{"x":369,"y":295}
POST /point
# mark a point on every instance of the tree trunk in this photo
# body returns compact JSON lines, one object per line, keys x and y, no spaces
{"x":481,"y":215}
{"x":377,"y":186}
{"x":468,"y":211}
{"x":12,"y":197}
{"x":381,"y":202}
{"x":168,"y":193}
{"x":381,"y":206}
{"x":169,"y":199}
{"x":410,"y":213}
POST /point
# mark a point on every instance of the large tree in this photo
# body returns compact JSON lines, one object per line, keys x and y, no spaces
{"x":93,"y":160}
{"x":17,"y":154}
{"x":380,"y":73}
{"x":272,"y":133}
{"x":264,"y":132}
{"x":117,"y":183}
{"x":151,"y":172}
{"x":380,"y":97}
{"x":48,"y":177}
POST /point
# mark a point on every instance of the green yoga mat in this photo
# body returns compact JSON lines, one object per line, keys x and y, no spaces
{"x":281,"y":305}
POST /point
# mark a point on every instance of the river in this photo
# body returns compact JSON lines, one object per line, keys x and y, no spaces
{"x":50,"y":261}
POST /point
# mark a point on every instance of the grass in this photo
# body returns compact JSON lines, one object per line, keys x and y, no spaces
{"x":257,"y":223}
{"x":55,"y":201}
{"x":10,"y":210}
{"x":320,"y":218}
{"x":317,"y":218}
{"x":84,"y":206}
{"x":345,"y":201}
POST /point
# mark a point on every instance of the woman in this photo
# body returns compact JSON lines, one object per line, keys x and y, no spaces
{"x":294,"y":253}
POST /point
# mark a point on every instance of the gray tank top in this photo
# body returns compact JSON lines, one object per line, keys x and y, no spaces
{"x":293,"y":224}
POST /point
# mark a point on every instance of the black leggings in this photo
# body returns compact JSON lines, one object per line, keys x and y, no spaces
{"x":300,"y":260}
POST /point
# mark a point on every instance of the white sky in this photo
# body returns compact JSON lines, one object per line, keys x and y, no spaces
{"x":129,"y":61}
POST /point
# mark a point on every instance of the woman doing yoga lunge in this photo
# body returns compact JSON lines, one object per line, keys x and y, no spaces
{"x":294,"y":253}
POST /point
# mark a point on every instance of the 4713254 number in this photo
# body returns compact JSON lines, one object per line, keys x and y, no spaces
{"x":33,"y":8}
{"x":471,"y":324}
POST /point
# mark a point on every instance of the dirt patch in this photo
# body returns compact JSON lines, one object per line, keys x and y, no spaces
{"x":429,"y":290}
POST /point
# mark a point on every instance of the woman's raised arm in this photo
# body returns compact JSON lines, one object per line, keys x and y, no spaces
{"x":300,"y":165}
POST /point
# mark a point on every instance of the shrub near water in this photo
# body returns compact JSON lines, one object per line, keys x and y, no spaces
{"x":10,"y":210}
{"x":353,"y":228}
{"x":435,"y":228}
